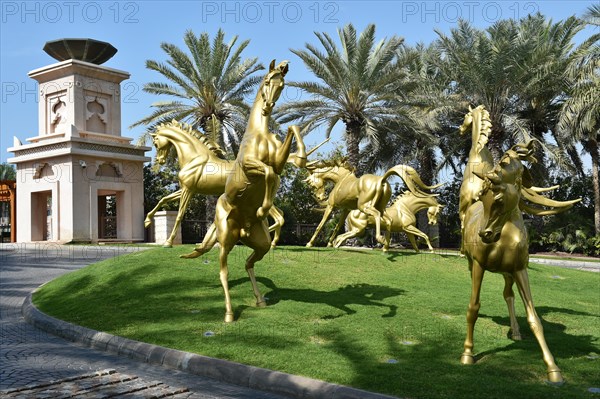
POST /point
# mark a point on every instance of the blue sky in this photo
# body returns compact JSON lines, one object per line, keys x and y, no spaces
{"x":136,"y":29}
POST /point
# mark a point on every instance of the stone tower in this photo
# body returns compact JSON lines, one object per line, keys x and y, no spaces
{"x":79,"y":179}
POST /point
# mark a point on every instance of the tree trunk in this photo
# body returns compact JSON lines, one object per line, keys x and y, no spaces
{"x":426,"y":172}
{"x":352,"y":145}
{"x":592,"y":148}
{"x":496,"y":143}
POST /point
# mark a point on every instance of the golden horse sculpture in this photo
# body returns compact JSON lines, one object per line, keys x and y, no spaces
{"x":202,"y":170}
{"x":402,"y":215}
{"x":369,"y":193}
{"x":495,"y":240}
{"x":249,"y":191}
{"x":480,"y":161}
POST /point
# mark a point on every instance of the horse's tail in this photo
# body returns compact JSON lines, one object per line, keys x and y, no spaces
{"x":412,"y":180}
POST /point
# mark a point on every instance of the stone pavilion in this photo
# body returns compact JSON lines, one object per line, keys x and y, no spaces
{"x":78,"y":179}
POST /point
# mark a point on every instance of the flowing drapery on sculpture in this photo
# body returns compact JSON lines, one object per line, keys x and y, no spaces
{"x":249,"y":191}
{"x":369,"y":193}
{"x":495,"y":240}
{"x":202,"y":170}
{"x":402,"y":217}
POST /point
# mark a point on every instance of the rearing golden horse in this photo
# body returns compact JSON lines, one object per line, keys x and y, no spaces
{"x":250,"y":190}
{"x":368,"y":193}
{"x":495,"y":240}
{"x":202,"y":170}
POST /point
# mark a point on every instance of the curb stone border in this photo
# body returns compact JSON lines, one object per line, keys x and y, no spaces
{"x":222,"y":370}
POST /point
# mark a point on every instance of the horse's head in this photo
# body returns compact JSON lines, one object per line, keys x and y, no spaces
{"x":273,"y":85}
{"x":317,"y":183}
{"x":319,"y":172}
{"x":162,"y":145}
{"x":433,"y":213}
{"x":500,"y":195}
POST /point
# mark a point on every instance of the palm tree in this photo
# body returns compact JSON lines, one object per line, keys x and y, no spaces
{"x":207,"y":87}
{"x":7,"y":171}
{"x":580,"y":114}
{"x":415,"y":134}
{"x":358,"y":85}
{"x":515,"y":69}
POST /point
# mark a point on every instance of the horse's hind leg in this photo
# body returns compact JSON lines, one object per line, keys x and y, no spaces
{"x":522,"y":280}
{"x":339,"y":240}
{"x":209,"y":241}
{"x":509,"y":297}
{"x":224,"y":275}
{"x":259,"y":240}
{"x":413,"y":241}
{"x":277,"y":215}
{"x":374,"y":212}
{"x":228,"y":233}
{"x":473,"y":311}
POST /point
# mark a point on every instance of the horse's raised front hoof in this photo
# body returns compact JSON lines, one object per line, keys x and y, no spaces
{"x":191,"y":255}
{"x":261,"y":304}
{"x":467,"y":359}
{"x":228,"y":317}
{"x":147,"y":222}
{"x":260,"y":213}
{"x":555,"y":377}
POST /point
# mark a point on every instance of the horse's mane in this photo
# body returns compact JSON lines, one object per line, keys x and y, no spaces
{"x":404,"y":194}
{"x":330,"y":163}
{"x":190,"y":131}
{"x":485,"y":128}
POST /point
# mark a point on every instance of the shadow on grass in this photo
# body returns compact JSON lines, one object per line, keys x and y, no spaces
{"x":561,"y":344}
{"x":341,"y":299}
{"x":431,"y":368}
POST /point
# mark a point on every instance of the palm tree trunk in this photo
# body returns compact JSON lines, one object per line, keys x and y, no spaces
{"x":495,"y":143}
{"x":592,"y":148}
{"x":426,"y":171}
{"x":352,"y":145}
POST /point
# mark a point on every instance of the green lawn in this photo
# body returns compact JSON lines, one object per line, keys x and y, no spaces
{"x":393,"y":324}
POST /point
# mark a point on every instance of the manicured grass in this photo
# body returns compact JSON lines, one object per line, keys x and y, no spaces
{"x":393,"y":324}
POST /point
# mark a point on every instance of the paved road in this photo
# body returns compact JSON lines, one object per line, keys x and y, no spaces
{"x":29,"y":355}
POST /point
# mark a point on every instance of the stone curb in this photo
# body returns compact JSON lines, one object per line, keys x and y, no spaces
{"x":218,"y":369}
